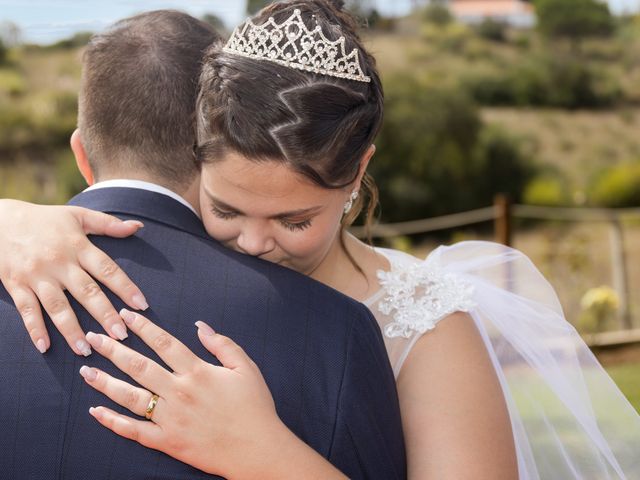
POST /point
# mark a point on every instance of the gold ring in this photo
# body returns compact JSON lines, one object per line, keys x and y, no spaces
{"x":152,"y":404}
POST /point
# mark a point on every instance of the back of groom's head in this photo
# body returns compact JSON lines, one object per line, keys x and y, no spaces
{"x":138,"y":94}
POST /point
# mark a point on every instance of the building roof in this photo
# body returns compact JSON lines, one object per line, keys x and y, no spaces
{"x":490,"y":8}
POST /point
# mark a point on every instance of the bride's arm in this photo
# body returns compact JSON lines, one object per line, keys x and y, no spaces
{"x":454,"y":415}
{"x":237,"y":435}
{"x":44,"y":250}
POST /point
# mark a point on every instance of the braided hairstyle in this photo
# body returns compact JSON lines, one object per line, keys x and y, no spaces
{"x":320,"y":126}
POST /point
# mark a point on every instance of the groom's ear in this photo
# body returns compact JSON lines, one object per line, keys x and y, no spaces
{"x":81,"y":157}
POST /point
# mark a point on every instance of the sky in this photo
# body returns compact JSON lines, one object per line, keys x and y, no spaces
{"x":43,"y":21}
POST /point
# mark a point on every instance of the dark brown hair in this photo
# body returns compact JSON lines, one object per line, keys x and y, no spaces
{"x":321,"y":126}
{"x":138,"y":94}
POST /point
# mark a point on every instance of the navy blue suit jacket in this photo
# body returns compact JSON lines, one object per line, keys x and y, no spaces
{"x":320,"y":352}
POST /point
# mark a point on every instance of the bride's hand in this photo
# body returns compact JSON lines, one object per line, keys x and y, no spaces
{"x":221,"y":420}
{"x":44,"y":251}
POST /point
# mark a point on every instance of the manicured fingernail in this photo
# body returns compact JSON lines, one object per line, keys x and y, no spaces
{"x":204,"y":328}
{"x":95,"y":412}
{"x":119,"y":331}
{"x":127,"y":316}
{"x":140,"y":302}
{"x":94,"y":339}
{"x":89,"y":374}
{"x":137,"y":223}
{"x":84,"y":347}
{"x":41,"y":345}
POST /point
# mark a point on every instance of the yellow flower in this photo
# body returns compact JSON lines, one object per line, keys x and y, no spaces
{"x":600,"y":298}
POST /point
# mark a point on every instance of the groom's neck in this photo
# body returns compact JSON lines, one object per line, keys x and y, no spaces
{"x":190,"y":193}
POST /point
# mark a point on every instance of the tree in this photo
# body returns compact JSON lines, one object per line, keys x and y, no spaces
{"x":425,"y":149}
{"x":10,"y":36}
{"x":437,"y":13}
{"x":436,"y":156}
{"x":493,"y":30}
{"x":574,"y":19}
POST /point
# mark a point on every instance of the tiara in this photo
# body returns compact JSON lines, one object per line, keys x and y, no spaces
{"x":293,"y":45}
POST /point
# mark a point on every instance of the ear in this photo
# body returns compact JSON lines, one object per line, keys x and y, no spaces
{"x":82,"y":160}
{"x":366,"y":158}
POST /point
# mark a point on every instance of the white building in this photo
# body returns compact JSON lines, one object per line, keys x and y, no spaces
{"x":512,"y":12}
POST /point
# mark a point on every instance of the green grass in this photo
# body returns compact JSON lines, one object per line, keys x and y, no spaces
{"x":627,"y":376}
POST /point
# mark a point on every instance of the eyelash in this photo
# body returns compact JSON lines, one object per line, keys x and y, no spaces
{"x":293,"y":227}
{"x":296,"y":227}
{"x":222,"y":214}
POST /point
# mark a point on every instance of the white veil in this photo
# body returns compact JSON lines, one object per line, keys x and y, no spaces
{"x":569,"y":418}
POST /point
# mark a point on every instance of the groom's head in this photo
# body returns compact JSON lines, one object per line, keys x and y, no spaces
{"x":137,"y":99}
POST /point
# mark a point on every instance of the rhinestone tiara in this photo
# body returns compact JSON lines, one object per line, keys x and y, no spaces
{"x":293,"y":45}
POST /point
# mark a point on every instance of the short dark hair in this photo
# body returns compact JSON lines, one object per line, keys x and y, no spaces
{"x":321,"y":126}
{"x":138,"y":95}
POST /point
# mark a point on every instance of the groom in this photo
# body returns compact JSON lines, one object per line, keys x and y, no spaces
{"x":320,"y":352}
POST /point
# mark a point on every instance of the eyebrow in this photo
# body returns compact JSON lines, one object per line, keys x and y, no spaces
{"x":292,"y":213}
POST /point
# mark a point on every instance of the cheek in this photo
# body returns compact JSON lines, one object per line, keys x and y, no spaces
{"x":312,"y":242}
{"x":299,"y":245}
{"x":218,"y":228}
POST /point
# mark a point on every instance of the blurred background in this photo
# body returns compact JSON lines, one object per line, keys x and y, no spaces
{"x":504,"y":119}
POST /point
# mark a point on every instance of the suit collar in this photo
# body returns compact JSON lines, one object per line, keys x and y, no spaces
{"x":141,"y":204}
{"x":143,"y":185}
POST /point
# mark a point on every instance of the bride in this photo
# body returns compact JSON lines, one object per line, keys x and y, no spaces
{"x":493,"y":382}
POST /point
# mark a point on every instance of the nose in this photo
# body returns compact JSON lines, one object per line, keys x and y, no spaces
{"x":255,"y":239}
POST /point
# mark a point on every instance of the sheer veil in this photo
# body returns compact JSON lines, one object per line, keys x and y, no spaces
{"x":569,"y":418}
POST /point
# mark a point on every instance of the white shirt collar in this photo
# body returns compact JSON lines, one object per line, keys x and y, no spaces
{"x":139,"y":184}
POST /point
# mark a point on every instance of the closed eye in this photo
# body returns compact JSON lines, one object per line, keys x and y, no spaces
{"x":223,"y":214}
{"x":295,"y":226}
{"x":289,"y":225}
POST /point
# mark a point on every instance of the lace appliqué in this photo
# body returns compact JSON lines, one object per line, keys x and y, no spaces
{"x":421,"y":295}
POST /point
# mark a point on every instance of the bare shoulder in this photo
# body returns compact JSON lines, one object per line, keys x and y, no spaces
{"x":454,"y":414}
{"x":455,"y":338}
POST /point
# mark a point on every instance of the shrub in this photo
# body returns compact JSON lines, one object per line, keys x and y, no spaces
{"x":547,"y":191}
{"x":522,"y":40}
{"x":436,"y":157}
{"x":492,"y":30}
{"x":599,"y":306}
{"x":504,"y":167}
{"x":522,"y":84}
{"x":11,"y":83}
{"x":424,"y":148}
{"x":618,"y":187}
{"x":550,"y":80}
{"x":56,"y":127}
{"x":3,"y":52}
{"x":437,"y":13}
{"x":16,"y":130}
{"x":47,"y":125}
{"x":574,"y":19}
{"x":68,"y":180}
{"x":79,"y":39}
{"x":452,"y":37}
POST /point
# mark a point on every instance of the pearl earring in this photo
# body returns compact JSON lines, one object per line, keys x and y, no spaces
{"x":352,"y":198}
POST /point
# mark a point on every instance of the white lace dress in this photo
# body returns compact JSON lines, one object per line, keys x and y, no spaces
{"x":570,"y":420}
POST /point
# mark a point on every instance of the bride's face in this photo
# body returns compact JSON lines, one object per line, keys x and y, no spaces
{"x":269,"y":211}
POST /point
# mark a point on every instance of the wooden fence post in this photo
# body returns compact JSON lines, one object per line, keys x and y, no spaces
{"x":619,"y":272}
{"x":502,"y":225}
